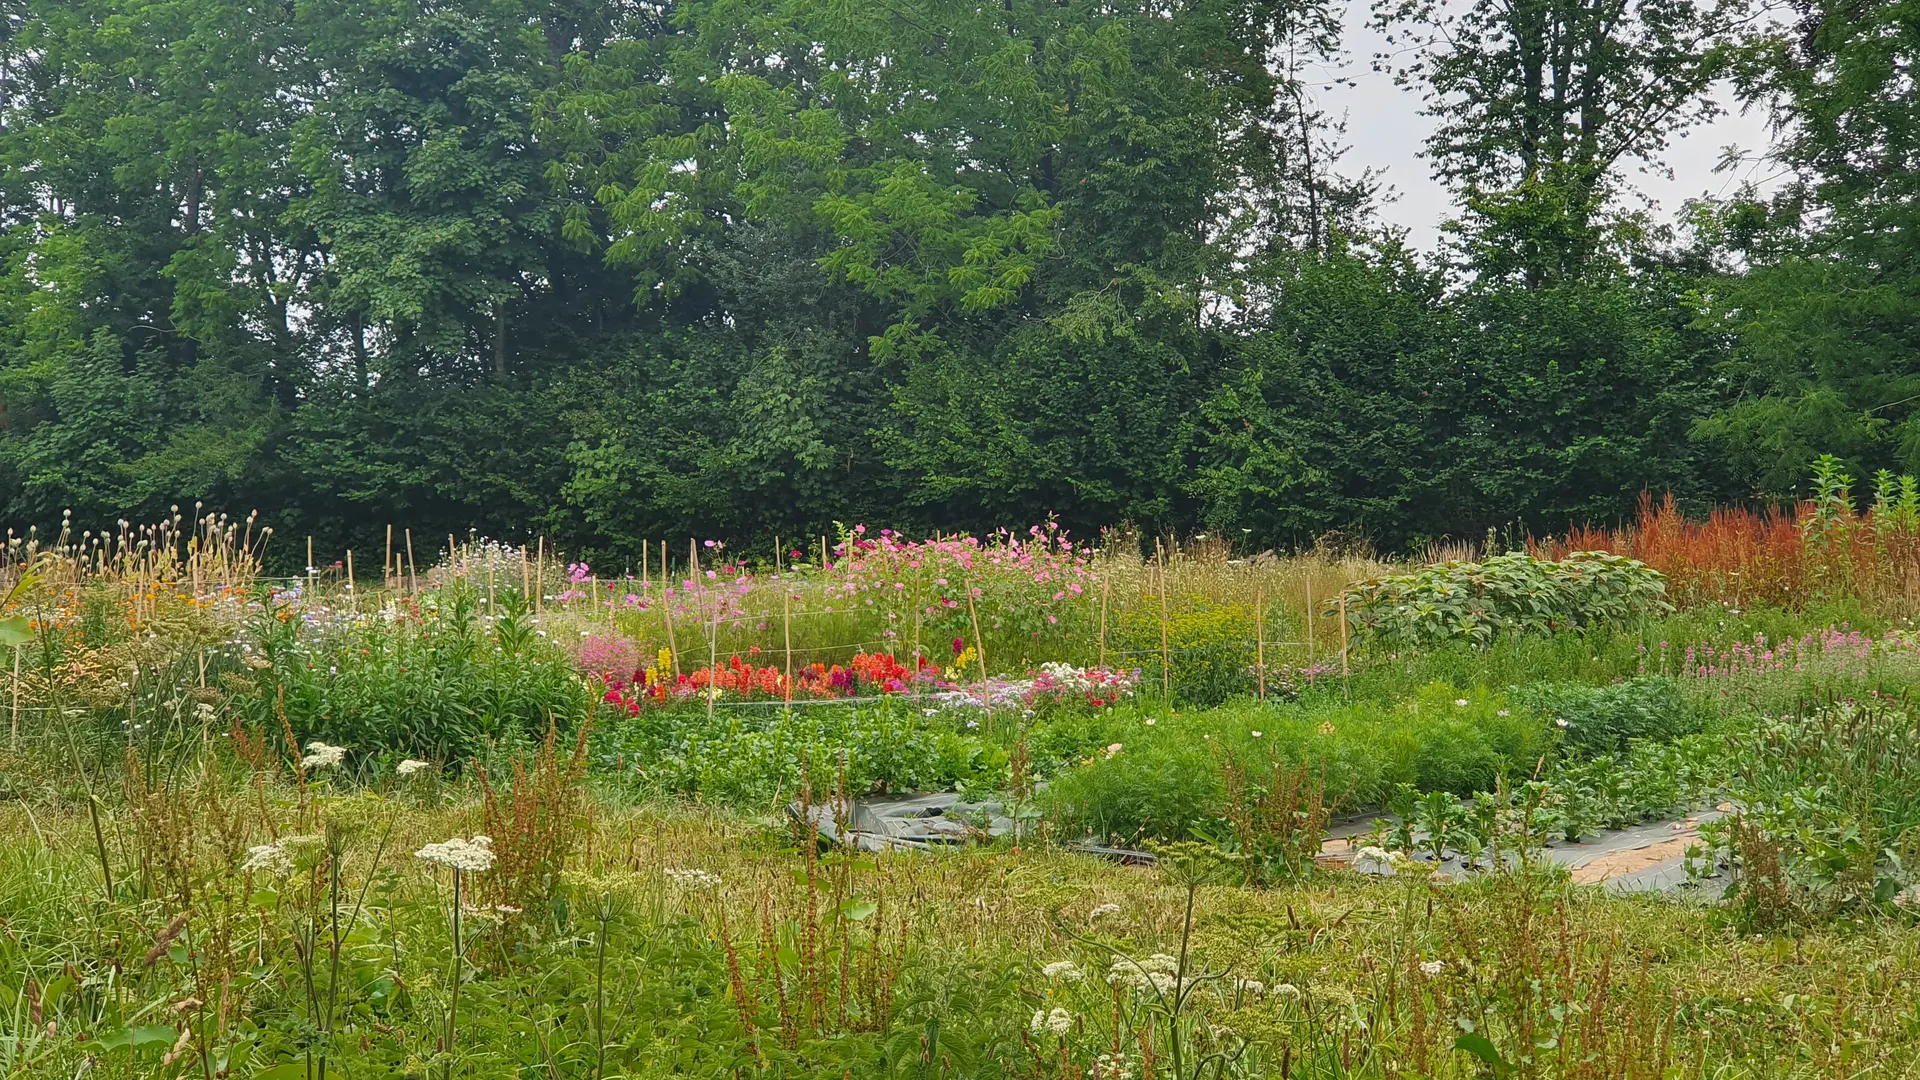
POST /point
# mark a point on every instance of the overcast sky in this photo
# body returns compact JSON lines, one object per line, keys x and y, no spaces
{"x":1386,"y":131}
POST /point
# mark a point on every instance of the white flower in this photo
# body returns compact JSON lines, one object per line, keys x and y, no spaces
{"x":1256,"y":734}
{"x":1460,"y":703}
{"x":1112,"y":1067}
{"x":1161,"y":962}
{"x":1149,"y":721}
{"x":283,"y":856}
{"x":1156,"y":972}
{"x":473,"y":856}
{"x":322,"y":756}
{"x":1063,"y":969}
{"x":1501,"y":712}
{"x":1102,"y":912}
{"x":267,"y":859}
{"x":1039,"y":1022}
{"x":1250,"y":986}
{"x":1561,"y":724}
{"x":693,"y":879}
{"x":408,"y":767}
{"x":1286,"y":990}
{"x":1431,"y":968}
{"x":1373,"y":860}
{"x":1059,"y":1021}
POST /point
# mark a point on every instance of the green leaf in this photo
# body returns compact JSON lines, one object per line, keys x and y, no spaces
{"x":1482,"y":1047}
{"x":147,"y":1035}
{"x":286,"y":1070}
{"x":15,"y":631}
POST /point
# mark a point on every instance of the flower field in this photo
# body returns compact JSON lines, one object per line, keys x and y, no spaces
{"x":506,"y":813}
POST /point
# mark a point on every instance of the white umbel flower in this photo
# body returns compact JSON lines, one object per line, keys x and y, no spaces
{"x":1432,"y":968}
{"x":267,"y":859}
{"x":408,"y":767}
{"x":1373,"y":860}
{"x":322,"y":756}
{"x":1066,"y":970}
{"x":1102,"y":912}
{"x":283,"y":856}
{"x":473,"y":856}
{"x":1059,"y":1021}
{"x":693,"y":879}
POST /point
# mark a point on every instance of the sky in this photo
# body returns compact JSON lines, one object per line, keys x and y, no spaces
{"x":1386,"y":132}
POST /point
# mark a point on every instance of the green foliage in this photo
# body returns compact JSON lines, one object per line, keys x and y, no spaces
{"x":1513,"y":594}
{"x":443,"y":688}
{"x":1167,"y":778}
{"x":1829,"y":812}
{"x":1594,"y":720}
{"x":1210,"y":647}
{"x":756,"y":757}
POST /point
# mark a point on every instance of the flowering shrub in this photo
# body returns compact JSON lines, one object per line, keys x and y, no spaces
{"x":1506,"y":594}
{"x":609,"y":656}
{"x":657,"y":685}
{"x":1059,"y":684}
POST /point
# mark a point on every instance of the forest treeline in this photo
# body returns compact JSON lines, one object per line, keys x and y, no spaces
{"x":613,"y":269}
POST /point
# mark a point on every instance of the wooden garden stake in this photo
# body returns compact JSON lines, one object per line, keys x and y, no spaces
{"x":351,"y":598}
{"x":979,"y":643}
{"x":1346,"y":675}
{"x":1166,"y":652}
{"x":539,"y":575}
{"x":1309,"y":622}
{"x":786,"y":620}
{"x":1106,"y":587}
{"x":666,"y":605}
{"x":14,"y":742}
{"x":1260,"y":642}
{"x":526,"y":576}
{"x":413,"y":580}
{"x":386,"y":567}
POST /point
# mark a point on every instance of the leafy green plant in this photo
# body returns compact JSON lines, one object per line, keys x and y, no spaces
{"x":1210,"y":647}
{"x":1595,"y":720}
{"x":1512,"y":594}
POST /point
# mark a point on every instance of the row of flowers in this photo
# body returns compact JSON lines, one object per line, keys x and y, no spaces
{"x":627,"y":685}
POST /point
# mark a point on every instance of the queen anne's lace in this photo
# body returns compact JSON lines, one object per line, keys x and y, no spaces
{"x":472,"y":856}
{"x":694,"y":879}
{"x":322,"y":756}
{"x":409,"y":767}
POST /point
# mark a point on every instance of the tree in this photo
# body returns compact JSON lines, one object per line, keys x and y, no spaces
{"x":1540,"y":105}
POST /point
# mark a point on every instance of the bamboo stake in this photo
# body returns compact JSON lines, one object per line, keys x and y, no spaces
{"x":351,"y":598}
{"x":413,"y":580}
{"x":1166,"y":652}
{"x":979,"y":643}
{"x":666,"y":605}
{"x":540,"y":575}
{"x":1106,"y":587}
{"x":526,"y":575}
{"x":386,"y":566}
{"x":1260,"y":642}
{"x":14,"y":741}
{"x":1309,"y":622}
{"x":786,"y":620}
{"x":1346,"y":674}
